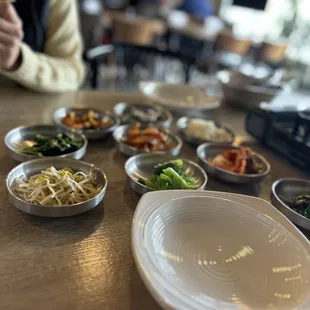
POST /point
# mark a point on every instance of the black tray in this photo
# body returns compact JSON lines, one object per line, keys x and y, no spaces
{"x":287,"y":133}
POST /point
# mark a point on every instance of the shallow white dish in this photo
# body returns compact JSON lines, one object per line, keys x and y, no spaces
{"x":179,"y":97}
{"x":212,"y":250}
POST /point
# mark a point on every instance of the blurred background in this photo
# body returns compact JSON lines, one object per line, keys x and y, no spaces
{"x":176,"y":41}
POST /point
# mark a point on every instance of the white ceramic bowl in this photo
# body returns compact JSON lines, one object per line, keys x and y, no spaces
{"x":179,"y":97}
{"x":205,"y":252}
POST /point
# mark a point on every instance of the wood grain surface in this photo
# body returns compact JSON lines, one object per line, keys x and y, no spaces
{"x":85,"y":262}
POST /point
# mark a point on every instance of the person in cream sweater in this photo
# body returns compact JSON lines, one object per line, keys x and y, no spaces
{"x":40,"y":45}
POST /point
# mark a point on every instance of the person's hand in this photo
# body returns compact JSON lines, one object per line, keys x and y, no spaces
{"x":11,"y":34}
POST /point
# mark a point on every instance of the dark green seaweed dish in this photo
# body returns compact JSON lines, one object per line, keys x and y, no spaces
{"x":50,"y":146}
{"x":299,"y":202}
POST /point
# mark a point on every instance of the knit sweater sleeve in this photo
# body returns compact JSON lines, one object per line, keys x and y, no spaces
{"x":60,"y":67}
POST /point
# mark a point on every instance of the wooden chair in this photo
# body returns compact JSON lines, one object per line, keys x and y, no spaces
{"x":230,"y":51}
{"x":227,"y":42}
{"x":272,"y":53}
{"x":135,"y":30}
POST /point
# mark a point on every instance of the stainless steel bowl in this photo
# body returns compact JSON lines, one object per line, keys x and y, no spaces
{"x":239,"y":93}
{"x":286,"y":188}
{"x":182,"y":124}
{"x":121,"y":133}
{"x":22,"y":133}
{"x":142,"y":166}
{"x":164,"y":120}
{"x":206,"y":152}
{"x":91,"y":134}
{"x":33,"y":167}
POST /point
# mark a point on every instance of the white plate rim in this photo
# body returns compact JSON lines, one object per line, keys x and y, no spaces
{"x":172,"y":104}
{"x":166,"y":299}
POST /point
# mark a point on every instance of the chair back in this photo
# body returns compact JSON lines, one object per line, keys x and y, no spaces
{"x":227,"y":42}
{"x":135,"y":30}
{"x":272,"y":53}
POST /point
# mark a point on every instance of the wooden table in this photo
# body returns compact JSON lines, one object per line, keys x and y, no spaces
{"x":84,"y":262}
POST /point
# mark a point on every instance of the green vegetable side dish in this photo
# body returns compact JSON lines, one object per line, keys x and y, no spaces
{"x":300,"y":203}
{"x":50,"y":146}
{"x":169,"y":175}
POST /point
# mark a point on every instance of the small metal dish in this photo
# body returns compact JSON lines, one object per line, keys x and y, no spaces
{"x":182,"y":125}
{"x":142,"y":166}
{"x":22,"y":133}
{"x":33,"y":167}
{"x":165,"y":119}
{"x":207,"y":151}
{"x":121,"y":132}
{"x":286,"y":188}
{"x":91,"y":134}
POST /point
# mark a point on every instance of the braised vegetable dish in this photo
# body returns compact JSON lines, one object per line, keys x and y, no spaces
{"x":89,"y":120}
{"x":147,"y":139}
{"x":50,"y":146}
{"x":169,"y":175}
{"x":239,"y":161}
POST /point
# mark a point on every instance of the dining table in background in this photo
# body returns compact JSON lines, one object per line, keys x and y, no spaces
{"x":85,"y":261}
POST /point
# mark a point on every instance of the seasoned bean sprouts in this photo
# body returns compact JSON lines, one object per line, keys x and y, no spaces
{"x":54,"y":187}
